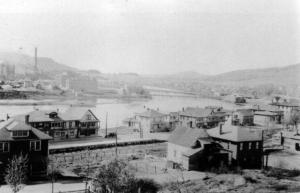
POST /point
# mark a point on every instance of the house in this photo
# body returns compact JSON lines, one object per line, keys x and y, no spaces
{"x":240,"y":100}
{"x":17,"y":137}
{"x":266,"y":118}
{"x":133,"y":123}
{"x":193,"y":149}
{"x":201,"y":117}
{"x":244,"y":144}
{"x":152,"y":121}
{"x":243,"y":117}
{"x":75,"y":122}
{"x":285,"y":106}
{"x":289,"y":140}
{"x":267,"y":113}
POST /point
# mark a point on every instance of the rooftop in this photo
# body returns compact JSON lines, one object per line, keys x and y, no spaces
{"x":236,"y":133}
{"x":187,"y":137}
{"x":196,"y":112}
{"x":150,"y":113}
{"x":10,"y":125}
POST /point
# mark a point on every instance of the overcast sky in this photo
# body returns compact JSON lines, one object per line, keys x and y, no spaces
{"x":155,"y":36}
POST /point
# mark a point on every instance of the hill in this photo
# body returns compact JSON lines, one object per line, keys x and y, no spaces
{"x":25,"y":64}
{"x":283,"y":75}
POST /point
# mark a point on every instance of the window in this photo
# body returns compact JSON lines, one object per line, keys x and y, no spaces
{"x":20,"y":133}
{"x":57,"y":134}
{"x":89,"y":117}
{"x":257,"y":145}
{"x":35,"y":145}
{"x":241,"y":146}
{"x":71,"y":133}
{"x":297,"y":146}
{"x":250,"y":145}
{"x":4,"y":147}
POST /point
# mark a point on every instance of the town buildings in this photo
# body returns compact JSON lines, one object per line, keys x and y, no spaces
{"x":290,"y":141}
{"x":243,"y":143}
{"x":193,"y":149}
{"x":237,"y":146}
{"x":200,"y":117}
{"x":74,"y":123}
{"x":152,"y":121}
{"x":285,"y":106}
{"x":243,"y":117}
{"x":17,"y":137}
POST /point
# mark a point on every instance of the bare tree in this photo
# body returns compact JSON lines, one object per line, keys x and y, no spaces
{"x":16,"y":172}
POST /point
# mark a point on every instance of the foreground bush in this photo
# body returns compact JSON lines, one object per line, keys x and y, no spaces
{"x":117,"y":177}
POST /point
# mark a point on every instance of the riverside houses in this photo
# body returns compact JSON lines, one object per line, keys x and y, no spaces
{"x":17,"y":137}
{"x":152,"y":121}
{"x":201,"y":117}
{"x":74,"y":123}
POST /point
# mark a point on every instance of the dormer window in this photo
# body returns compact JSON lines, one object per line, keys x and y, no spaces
{"x":20,"y":133}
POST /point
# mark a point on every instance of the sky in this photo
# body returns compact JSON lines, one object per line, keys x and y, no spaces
{"x":155,"y":36}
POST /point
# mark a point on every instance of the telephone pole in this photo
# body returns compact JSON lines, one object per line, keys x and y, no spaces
{"x":106,"y":125}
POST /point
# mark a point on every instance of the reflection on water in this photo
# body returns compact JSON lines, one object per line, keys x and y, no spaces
{"x":118,"y":110}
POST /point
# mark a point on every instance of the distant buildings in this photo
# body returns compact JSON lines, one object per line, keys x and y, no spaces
{"x":17,"y":137}
{"x":74,"y":123}
{"x":7,"y":72}
{"x":78,"y":83}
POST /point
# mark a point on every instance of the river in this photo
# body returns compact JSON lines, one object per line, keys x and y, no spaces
{"x":118,"y":110}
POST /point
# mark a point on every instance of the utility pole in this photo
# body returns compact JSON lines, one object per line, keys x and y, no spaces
{"x":52,"y":177}
{"x":106,"y":125}
{"x":116,"y":143}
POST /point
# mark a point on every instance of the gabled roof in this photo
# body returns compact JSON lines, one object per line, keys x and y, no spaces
{"x":236,"y":133}
{"x":151,"y":114}
{"x":245,"y":112}
{"x":196,"y":112}
{"x":285,"y":104}
{"x":265,"y":113}
{"x":10,"y":125}
{"x":187,"y":137}
{"x":75,"y":113}
{"x":41,"y":116}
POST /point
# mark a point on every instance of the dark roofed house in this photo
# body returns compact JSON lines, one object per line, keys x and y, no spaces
{"x":17,"y":137}
{"x":74,"y":122}
{"x":191,"y":148}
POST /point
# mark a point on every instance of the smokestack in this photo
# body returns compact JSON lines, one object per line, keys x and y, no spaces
{"x":183,"y":109}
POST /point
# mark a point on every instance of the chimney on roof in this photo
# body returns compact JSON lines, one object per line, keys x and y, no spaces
{"x":221,"y":129}
{"x":7,"y":117}
{"x":27,"y":119}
